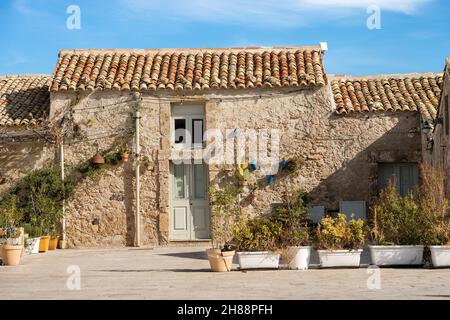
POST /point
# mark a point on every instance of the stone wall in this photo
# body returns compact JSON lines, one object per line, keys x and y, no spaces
{"x":338,"y":154}
{"x":19,"y":157}
{"x":439,"y":154}
{"x":101,"y":212}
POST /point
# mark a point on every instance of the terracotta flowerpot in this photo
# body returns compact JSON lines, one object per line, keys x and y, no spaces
{"x":243,"y":183}
{"x":220,"y":261}
{"x":44,"y":243}
{"x":125,"y":156}
{"x":11,"y":254}
{"x":53,"y":243}
{"x":98,"y":159}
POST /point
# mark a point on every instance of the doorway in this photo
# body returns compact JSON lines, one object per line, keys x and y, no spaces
{"x":189,"y":208}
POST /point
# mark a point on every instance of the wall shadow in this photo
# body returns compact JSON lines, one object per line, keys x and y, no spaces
{"x":357,"y":177}
{"x":129,"y":202}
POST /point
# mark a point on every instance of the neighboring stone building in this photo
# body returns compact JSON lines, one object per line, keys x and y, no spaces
{"x":24,"y":107}
{"x":438,"y":142}
{"x":346,"y":135}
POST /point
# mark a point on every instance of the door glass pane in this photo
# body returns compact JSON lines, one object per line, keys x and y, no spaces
{"x":180,"y":130}
{"x":197,"y":127}
{"x":178,"y":178}
{"x":199,"y":181}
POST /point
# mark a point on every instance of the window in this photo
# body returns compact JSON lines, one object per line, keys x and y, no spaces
{"x":180,"y":131}
{"x":405,"y":176}
{"x":197,"y":131}
{"x":188,"y":126}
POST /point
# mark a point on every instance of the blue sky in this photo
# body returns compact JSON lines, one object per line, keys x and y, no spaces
{"x":414,"y":34}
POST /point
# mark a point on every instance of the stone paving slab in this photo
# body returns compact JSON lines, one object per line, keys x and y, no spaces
{"x":183,"y":273}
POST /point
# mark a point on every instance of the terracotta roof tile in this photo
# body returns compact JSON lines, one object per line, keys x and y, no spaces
{"x":24,"y":99}
{"x":189,"y":69}
{"x":388,"y":93}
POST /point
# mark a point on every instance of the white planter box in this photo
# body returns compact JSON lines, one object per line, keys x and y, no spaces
{"x":298,"y":257}
{"x":440,"y":255}
{"x":33,"y":245}
{"x":396,"y":255}
{"x":339,"y":258}
{"x":258,"y":260}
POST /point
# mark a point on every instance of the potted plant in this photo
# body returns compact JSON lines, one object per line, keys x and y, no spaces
{"x":295,"y":232}
{"x":436,"y":210}
{"x":225,"y":211}
{"x":398,"y":230}
{"x":12,"y":236}
{"x":257,"y":240}
{"x":42,"y":193}
{"x":33,"y":240}
{"x":50,"y":216}
{"x":53,"y":242}
{"x":12,"y":248}
{"x":340,"y":241}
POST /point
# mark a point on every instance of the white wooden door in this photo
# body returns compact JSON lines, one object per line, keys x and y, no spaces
{"x":189,"y":211}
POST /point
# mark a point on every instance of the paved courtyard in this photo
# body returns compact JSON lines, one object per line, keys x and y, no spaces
{"x":183,"y":273}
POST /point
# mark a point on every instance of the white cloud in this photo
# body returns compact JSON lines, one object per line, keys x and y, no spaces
{"x":401,"y":6}
{"x":265,"y":12}
{"x":22,"y":7}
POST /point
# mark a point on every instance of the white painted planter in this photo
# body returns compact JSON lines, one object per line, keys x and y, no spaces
{"x":396,"y":255}
{"x":258,"y":260}
{"x":33,"y":245}
{"x":298,"y":257}
{"x":339,"y":258}
{"x":440,"y":255}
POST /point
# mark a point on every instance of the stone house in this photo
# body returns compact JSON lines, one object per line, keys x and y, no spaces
{"x":346,"y":135}
{"x":24,"y":110}
{"x":437,"y":142}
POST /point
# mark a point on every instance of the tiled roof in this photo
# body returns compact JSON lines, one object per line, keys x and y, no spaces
{"x":24,"y":99}
{"x":415,"y":92}
{"x":186,"y":69}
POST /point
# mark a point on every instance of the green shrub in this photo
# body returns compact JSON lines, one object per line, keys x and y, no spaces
{"x":40,"y":195}
{"x":225,"y":214}
{"x":10,"y":215}
{"x":335,"y":233}
{"x":257,"y":234}
{"x":435,"y":206}
{"x":293,"y":216}
{"x":398,"y":220}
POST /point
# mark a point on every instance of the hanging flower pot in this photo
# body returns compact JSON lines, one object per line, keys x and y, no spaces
{"x":98,"y":159}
